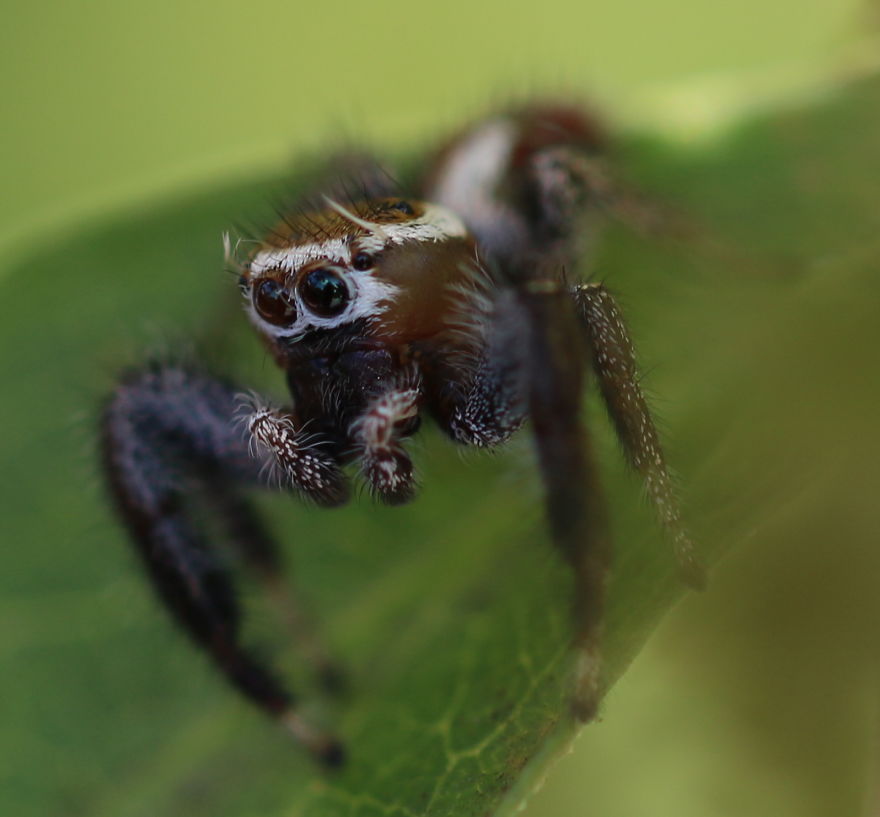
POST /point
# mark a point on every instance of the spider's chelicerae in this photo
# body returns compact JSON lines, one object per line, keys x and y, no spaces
{"x":449,"y":300}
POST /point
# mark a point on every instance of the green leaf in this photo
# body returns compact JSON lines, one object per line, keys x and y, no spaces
{"x":452,"y":613}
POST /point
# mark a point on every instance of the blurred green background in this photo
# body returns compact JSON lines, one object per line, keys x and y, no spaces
{"x":757,"y":697}
{"x":104,"y":101}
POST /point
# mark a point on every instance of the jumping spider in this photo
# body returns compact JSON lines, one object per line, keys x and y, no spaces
{"x":450,"y":301}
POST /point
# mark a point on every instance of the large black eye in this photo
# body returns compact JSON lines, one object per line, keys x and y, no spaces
{"x":324,"y":292}
{"x":273,"y":303}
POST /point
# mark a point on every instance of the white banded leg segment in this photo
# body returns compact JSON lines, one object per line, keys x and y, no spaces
{"x":386,"y":465}
{"x":491,"y":413}
{"x":615,"y":364}
{"x":294,"y":457}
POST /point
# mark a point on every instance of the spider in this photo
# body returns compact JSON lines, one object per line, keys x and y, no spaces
{"x":451,"y":301}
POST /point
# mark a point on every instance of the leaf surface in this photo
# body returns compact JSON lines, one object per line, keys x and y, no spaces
{"x":452,"y":613}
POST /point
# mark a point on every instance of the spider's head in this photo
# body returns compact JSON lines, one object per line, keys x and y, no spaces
{"x":388,"y":269}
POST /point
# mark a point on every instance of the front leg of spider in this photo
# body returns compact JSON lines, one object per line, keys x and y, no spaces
{"x":169,"y":435}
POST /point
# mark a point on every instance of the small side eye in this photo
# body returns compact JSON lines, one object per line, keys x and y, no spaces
{"x":324,"y":292}
{"x":404,"y":207}
{"x":363,"y":261}
{"x":273,"y":303}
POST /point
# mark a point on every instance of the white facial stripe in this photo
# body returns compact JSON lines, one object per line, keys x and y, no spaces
{"x":369,"y":298}
{"x":335,"y":250}
{"x":436,"y":224}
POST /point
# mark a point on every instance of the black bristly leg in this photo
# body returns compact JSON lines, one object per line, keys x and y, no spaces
{"x":163,"y":429}
{"x":614,"y":362}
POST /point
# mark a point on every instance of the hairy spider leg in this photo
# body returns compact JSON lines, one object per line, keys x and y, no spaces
{"x":293,"y":457}
{"x":384,"y":461}
{"x":161,"y":427}
{"x":614,"y":361}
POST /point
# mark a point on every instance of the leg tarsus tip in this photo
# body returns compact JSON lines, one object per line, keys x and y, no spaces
{"x":333,"y":755}
{"x":587,"y":685}
{"x":692,"y":571}
{"x":325,"y":748}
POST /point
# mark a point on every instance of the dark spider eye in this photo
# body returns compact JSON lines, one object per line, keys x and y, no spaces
{"x":362,"y":261}
{"x":273,"y":303}
{"x":324,"y":292}
{"x":404,"y":207}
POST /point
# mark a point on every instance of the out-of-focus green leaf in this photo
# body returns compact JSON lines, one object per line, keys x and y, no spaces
{"x":451,"y":613}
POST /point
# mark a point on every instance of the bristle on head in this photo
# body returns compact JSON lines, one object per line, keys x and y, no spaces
{"x":369,"y":226}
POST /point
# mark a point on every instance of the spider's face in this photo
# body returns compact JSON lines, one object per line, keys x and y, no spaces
{"x":385,"y":267}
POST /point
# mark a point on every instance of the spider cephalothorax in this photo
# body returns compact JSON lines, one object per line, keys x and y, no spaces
{"x":373,"y":309}
{"x":452,"y":303}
